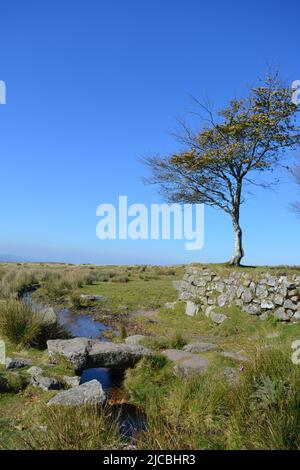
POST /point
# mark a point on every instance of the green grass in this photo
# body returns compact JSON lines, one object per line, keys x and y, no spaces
{"x":90,"y":428}
{"x":138,"y":293}
{"x":261,"y":411}
{"x":276,"y":270}
{"x":19,"y":323}
{"x":24,"y":327}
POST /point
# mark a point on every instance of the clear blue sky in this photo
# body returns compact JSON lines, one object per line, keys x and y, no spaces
{"x":93,"y":85}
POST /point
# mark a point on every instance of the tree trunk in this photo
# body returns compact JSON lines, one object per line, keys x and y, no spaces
{"x":238,"y":246}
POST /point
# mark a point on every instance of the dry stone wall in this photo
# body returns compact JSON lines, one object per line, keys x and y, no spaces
{"x":255,"y":292}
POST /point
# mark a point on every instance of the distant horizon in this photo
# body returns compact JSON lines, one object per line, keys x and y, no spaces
{"x":14,"y":260}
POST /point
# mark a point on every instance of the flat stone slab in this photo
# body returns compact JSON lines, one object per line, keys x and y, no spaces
{"x":90,"y":393}
{"x":238,"y":356}
{"x":185,"y":363}
{"x":83,"y":353}
{"x":175,"y":355}
{"x":94,"y":298}
{"x":195,"y":365}
{"x":113,"y":355}
{"x":73,"y":350}
{"x":199,"y":347}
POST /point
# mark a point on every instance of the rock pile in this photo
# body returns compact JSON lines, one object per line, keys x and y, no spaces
{"x":256,"y":293}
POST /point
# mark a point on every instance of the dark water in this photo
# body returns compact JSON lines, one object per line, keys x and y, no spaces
{"x":75,"y":324}
{"x":81,"y":325}
{"x":129,"y":417}
{"x":109,"y":379}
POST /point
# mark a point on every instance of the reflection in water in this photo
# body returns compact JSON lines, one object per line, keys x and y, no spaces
{"x":131,"y":419}
{"x":75,"y":324}
{"x":81,"y":325}
{"x":109,"y":379}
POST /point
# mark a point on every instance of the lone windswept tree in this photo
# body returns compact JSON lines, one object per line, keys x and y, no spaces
{"x":215,"y":166}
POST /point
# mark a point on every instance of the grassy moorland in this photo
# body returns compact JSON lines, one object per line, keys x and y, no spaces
{"x":258,"y":410}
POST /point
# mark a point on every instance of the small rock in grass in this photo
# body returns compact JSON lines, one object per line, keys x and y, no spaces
{"x":297,"y":315}
{"x":272,"y":335}
{"x":231,"y":375}
{"x":239,"y":356}
{"x":170,"y":305}
{"x":16,"y":363}
{"x":191,"y":309}
{"x":93,"y":298}
{"x":45,"y":383}
{"x":218,"y":317}
{"x":265,"y":315}
{"x":175,"y":355}
{"x":89,"y":393}
{"x":195,"y":365}
{"x":34,"y":371}
{"x":200,"y":347}
{"x":72,"y":381}
{"x":135,"y":339}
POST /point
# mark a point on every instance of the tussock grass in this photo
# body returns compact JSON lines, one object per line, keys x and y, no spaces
{"x":176,"y":340}
{"x":19,"y":323}
{"x":24,"y":327}
{"x":90,"y":428}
